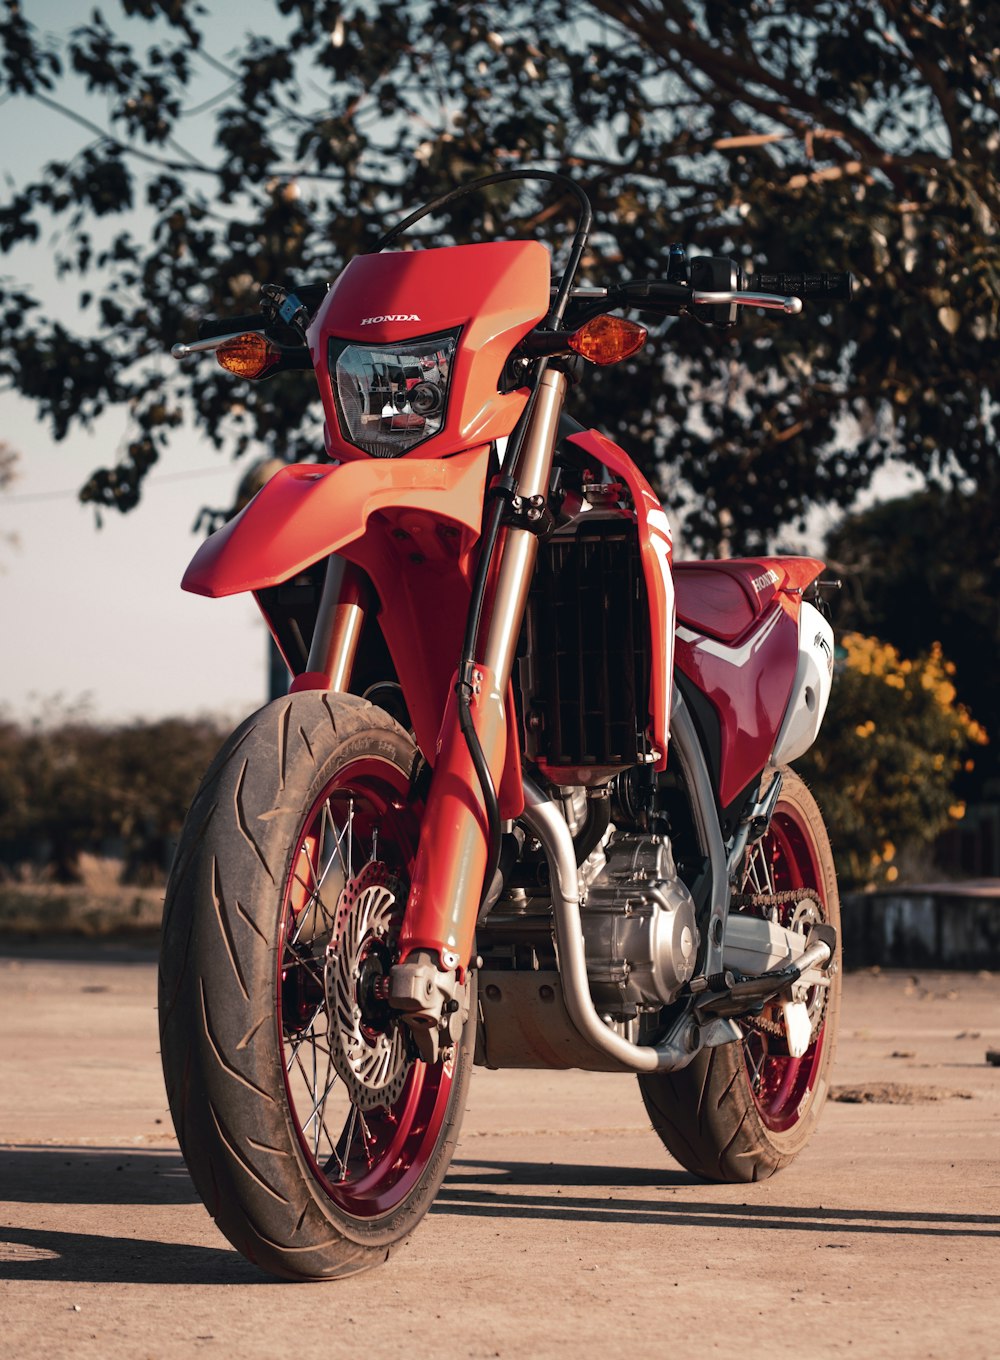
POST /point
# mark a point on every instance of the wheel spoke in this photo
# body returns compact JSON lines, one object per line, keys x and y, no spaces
{"x":343,"y":1150}
{"x":367,"y":1141}
{"x":306,"y":1036}
{"x":320,"y":1114}
{"x":338,"y":840}
{"x":367,"y":1120}
{"x":756,"y":1067}
{"x":350,"y":837}
{"x":306,"y":964}
{"x":313,"y":1084}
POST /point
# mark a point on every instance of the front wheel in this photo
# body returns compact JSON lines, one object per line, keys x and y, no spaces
{"x":742,"y":1111}
{"x":312,"y":1131}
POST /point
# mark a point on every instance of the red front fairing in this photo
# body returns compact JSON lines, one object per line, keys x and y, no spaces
{"x":493,"y":293}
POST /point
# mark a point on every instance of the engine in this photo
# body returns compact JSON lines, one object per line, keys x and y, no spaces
{"x":639,"y":927}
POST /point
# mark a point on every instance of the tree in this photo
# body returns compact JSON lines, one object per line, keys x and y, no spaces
{"x":73,"y":785}
{"x":895,"y":738}
{"x":819,"y":134}
{"x":925,"y":569}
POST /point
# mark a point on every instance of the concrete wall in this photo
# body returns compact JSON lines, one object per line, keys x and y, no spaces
{"x":954,"y":925}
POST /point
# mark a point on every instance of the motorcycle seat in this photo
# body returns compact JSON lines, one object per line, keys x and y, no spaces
{"x":723,"y":598}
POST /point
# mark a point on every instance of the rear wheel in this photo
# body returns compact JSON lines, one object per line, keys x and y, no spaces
{"x":312,"y":1131}
{"x":743,"y":1111}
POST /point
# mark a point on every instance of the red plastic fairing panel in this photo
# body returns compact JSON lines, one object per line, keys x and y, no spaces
{"x":737,"y":640}
{"x":454,"y":840}
{"x":413,"y":526}
{"x":306,"y":512}
{"x":495,"y":292}
{"x":656,"y":549}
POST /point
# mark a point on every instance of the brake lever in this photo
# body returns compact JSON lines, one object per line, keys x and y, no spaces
{"x":769,"y":301}
{"x":181,"y":350}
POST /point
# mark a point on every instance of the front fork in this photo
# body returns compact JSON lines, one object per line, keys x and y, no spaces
{"x":429,"y":982}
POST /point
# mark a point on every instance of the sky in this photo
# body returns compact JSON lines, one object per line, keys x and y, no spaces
{"x":96,"y":617}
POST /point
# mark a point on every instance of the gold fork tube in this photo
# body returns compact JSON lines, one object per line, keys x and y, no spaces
{"x":339,"y":621}
{"x":519,"y":547}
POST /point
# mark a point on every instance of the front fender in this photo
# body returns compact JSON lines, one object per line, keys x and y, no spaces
{"x":305,"y":512}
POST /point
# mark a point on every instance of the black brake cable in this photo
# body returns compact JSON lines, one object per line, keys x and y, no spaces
{"x":504,"y":487}
{"x":501,"y":493}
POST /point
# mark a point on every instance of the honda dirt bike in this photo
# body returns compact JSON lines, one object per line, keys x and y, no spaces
{"x":527,"y":802}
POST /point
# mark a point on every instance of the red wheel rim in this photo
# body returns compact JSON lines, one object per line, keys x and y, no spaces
{"x":366,"y":1158}
{"x":781,"y":1085}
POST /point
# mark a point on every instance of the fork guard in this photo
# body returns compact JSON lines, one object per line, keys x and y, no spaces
{"x":413,"y":525}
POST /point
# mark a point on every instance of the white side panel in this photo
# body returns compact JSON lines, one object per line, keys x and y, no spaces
{"x":810,"y":689}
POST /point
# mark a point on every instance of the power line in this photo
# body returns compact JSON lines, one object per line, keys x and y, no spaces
{"x":73,"y":493}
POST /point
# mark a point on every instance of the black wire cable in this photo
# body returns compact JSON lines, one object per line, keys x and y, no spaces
{"x":504,"y":488}
{"x":502,"y":492}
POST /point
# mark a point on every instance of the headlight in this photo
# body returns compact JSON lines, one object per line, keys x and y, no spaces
{"x":390,"y":398}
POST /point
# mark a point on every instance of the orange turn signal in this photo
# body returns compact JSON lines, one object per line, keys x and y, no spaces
{"x":608,"y":340}
{"x":248,"y":356}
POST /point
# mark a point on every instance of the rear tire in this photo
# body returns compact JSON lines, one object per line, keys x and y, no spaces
{"x":312,"y":1132}
{"x":743,"y":1111}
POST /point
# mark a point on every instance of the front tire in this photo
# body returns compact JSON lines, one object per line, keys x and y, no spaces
{"x":742,"y":1111}
{"x":313,"y":1133}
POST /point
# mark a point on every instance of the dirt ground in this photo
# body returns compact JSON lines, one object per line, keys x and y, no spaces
{"x":563,"y":1228}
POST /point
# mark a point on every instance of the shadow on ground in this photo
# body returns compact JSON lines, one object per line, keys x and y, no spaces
{"x":88,"y":1258}
{"x":490,"y":1189}
{"x":116,"y":1177}
{"x":94,"y":1175}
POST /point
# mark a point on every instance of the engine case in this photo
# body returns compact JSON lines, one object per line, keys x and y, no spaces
{"x":639,"y":926}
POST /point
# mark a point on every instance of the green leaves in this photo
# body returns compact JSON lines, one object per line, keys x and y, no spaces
{"x":825,"y":136}
{"x":70,"y":786}
{"x":29,"y":64}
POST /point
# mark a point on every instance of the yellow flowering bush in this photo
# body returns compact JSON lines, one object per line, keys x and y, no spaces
{"x":882,"y":769}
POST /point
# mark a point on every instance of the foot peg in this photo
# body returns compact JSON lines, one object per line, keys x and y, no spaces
{"x":728,"y":994}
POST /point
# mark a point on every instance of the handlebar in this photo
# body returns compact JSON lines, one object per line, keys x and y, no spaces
{"x":711,"y":291}
{"x":836,"y":287}
{"x":720,"y":284}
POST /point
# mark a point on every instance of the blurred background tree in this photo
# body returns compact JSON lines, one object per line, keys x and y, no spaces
{"x":819,"y":134}
{"x":69,"y":787}
{"x":814,"y":134}
{"x":927,"y":567}
{"x":894,"y":739}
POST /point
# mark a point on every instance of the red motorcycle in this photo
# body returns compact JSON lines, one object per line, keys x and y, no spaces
{"x":527,"y":802}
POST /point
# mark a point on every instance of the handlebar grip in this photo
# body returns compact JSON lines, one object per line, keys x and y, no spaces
{"x":836,"y":287}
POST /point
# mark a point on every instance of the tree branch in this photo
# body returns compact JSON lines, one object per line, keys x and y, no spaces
{"x":733,"y":73}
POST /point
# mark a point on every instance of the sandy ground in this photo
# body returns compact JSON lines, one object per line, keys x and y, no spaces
{"x":563,"y":1228}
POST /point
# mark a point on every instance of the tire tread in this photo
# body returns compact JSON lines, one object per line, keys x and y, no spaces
{"x":222,"y":1059}
{"x":705,"y":1114}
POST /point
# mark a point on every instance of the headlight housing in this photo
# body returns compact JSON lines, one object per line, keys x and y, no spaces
{"x":393,"y":396}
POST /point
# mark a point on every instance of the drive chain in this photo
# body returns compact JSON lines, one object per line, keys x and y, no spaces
{"x":762,"y":904}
